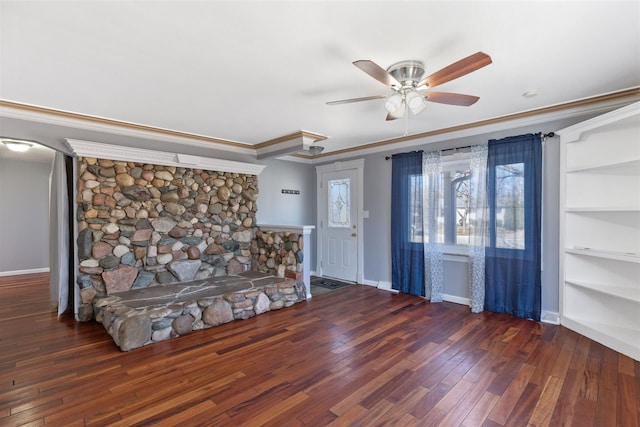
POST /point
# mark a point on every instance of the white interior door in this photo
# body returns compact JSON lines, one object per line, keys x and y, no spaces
{"x":340,"y":225}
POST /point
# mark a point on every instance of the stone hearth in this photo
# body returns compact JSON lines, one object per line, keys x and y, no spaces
{"x":144,"y":316}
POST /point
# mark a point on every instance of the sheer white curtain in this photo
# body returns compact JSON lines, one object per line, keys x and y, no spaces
{"x":59,"y":234}
{"x":433,"y":224}
{"x":479,"y":231}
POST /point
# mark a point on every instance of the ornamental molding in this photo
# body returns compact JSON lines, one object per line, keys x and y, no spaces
{"x":129,"y":154}
{"x":573,"y":133}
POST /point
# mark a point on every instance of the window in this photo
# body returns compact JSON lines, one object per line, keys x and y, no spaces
{"x":456,"y":219}
{"x":339,"y":199}
{"x":415,"y":208}
{"x":452,"y":195}
{"x":510,"y":206}
{"x":459,"y":214}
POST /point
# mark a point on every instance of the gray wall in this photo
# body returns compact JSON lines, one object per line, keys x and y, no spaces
{"x":24,"y":215}
{"x":288,"y":209}
{"x":551,"y":225}
{"x":377,"y":228}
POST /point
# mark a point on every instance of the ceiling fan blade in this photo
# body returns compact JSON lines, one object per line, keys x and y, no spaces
{"x":377,"y":72}
{"x":451,"y":98}
{"x":347,"y":101}
{"x":457,"y":69}
{"x":390,"y":117}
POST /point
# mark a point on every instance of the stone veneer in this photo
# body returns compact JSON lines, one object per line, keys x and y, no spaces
{"x":143,"y":225}
{"x":278,"y":252}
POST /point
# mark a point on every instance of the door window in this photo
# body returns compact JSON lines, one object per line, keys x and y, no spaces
{"x":339,"y":200}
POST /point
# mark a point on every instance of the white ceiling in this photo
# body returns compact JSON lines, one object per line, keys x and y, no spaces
{"x":253,"y":71}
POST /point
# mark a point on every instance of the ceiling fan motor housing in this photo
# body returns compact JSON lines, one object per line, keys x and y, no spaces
{"x":408,"y":73}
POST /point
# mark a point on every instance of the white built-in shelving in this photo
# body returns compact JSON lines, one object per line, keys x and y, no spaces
{"x":600,"y":229}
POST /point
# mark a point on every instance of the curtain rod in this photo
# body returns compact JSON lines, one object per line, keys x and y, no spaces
{"x":544,"y":137}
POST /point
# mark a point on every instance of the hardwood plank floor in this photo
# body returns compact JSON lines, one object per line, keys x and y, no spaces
{"x":356,"y":356}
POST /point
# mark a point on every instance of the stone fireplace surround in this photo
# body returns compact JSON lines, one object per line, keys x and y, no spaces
{"x":147,"y":225}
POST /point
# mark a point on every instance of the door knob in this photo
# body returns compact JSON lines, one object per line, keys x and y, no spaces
{"x":353,"y":234}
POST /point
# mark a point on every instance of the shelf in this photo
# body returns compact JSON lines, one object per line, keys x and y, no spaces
{"x":621,"y":292}
{"x":621,"y":339}
{"x":599,"y":253}
{"x":599,"y":220}
{"x":616,"y":165}
{"x":604,"y":209}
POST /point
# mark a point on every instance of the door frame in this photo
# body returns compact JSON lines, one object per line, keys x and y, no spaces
{"x":358,"y":166}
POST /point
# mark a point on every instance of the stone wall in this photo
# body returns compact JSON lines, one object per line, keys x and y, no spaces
{"x":142,"y":225}
{"x":278,"y":252}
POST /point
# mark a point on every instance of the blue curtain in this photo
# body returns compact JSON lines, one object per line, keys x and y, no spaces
{"x":512,"y":258}
{"x":407,"y":256}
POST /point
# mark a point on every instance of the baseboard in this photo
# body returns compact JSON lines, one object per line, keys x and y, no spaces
{"x":552,"y":317}
{"x":21,"y":272}
{"x":456,"y":299}
{"x":370,"y":283}
{"x":385,"y":286}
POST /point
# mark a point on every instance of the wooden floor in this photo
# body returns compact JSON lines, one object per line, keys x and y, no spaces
{"x":355,"y":356}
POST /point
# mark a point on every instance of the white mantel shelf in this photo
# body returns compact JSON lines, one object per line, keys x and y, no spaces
{"x":305,"y":230}
{"x":128,"y":154}
{"x":302,"y":229}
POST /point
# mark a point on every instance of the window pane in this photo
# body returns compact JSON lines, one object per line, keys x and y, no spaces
{"x":339,"y":199}
{"x":415,"y":209}
{"x":509,"y":220}
{"x":430,"y":188}
{"x":462,"y":214}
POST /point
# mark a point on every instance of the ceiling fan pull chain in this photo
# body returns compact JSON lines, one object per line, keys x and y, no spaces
{"x":406,"y":123}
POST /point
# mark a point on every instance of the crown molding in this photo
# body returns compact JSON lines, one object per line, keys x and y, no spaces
{"x":126,"y":153}
{"x":297,"y":141}
{"x":289,"y":147}
{"x":287,"y":144}
{"x":593,"y":105}
{"x":311,"y":136}
{"x":63,"y":118}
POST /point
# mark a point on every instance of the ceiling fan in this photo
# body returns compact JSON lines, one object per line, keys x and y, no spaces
{"x":405,"y":80}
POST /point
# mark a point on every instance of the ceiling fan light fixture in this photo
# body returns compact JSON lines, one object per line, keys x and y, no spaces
{"x":399,"y":113}
{"x":415,"y":102}
{"x":394,"y":104}
{"x":314,"y":150}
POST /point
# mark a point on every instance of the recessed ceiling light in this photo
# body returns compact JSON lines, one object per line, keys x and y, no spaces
{"x":16,"y":144}
{"x":530,"y":93}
